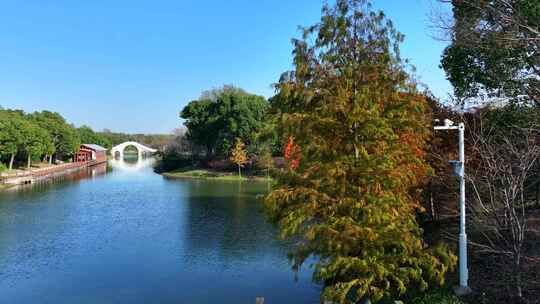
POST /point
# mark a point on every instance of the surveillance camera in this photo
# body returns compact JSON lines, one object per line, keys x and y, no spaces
{"x":448,"y":123}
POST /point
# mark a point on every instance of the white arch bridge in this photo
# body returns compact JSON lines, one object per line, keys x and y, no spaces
{"x":141,"y":149}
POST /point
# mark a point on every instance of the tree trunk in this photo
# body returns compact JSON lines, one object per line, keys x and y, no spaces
{"x":50,"y":159}
{"x":29,"y":160}
{"x":268,"y":179}
{"x":538,"y":195}
{"x":239,"y":173}
{"x":11,"y":160}
{"x":517,"y":273}
{"x":432,"y":205}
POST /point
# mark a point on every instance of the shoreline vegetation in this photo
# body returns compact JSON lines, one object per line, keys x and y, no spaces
{"x":209,"y":174}
{"x":362,"y":178}
{"x":364,"y":181}
{"x":5,"y":187}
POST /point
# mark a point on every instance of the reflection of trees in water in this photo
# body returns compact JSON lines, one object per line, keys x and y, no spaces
{"x":131,"y":159}
{"x":48,"y":192}
{"x":131,"y":150}
{"x":44,"y":233}
{"x":225,"y":224}
{"x":131,"y":154}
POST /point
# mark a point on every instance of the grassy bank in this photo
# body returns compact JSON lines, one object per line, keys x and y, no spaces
{"x":5,"y":187}
{"x":191,"y":172}
{"x":440,"y":296}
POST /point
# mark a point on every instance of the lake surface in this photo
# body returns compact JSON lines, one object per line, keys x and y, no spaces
{"x":128,"y":235}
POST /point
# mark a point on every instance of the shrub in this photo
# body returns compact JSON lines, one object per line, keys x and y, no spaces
{"x":440,"y":297}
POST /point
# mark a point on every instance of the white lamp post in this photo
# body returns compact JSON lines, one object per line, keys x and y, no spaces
{"x":459,"y":171}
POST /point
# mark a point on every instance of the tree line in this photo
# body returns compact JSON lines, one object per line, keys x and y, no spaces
{"x":364,"y":176}
{"x":40,"y":136}
{"x":47,"y":137}
{"x":220,"y":121}
{"x":157,"y":141}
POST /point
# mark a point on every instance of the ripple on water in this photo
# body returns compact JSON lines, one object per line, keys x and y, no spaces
{"x":130,"y":236}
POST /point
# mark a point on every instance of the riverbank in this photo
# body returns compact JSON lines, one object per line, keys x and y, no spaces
{"x":198,"y":173}
{"x":5,"y":187}
{"x":42,"y":172}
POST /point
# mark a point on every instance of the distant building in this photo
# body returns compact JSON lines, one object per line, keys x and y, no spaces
{"x":91,"y":152}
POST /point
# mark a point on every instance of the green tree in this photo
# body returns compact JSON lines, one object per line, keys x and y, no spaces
{"x":350,"y":199}
{"x":49,"y":149}
{"x":268,"y":135}
{"x":494,"y":50}
{"x":109,"y":139}
{"x":215,"y":93}
{"x":265,"y":160}
{"x":221,"y":115}
{"x":36,"y":140}
{"x":11,"y":136}
{"x":64,"y":136}
{"x":88,"y":136}
{"x":201,"y":123}
{"x":239,"y":155}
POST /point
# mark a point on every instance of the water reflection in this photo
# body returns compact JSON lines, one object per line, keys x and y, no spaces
{"x":132,"y":163}
{"x":131,"y":236}
{"x":223,"y":221}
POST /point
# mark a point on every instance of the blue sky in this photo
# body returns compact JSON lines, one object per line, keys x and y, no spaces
{"x":131,"y":66}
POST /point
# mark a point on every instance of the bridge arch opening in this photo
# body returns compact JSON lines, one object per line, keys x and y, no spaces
{"x":132,"y":151}
{"x":119,"y":151}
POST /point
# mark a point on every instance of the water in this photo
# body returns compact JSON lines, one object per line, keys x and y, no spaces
{"x":132,"y":236}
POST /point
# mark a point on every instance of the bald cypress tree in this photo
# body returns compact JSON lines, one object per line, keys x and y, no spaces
{"x":361,"y":128}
